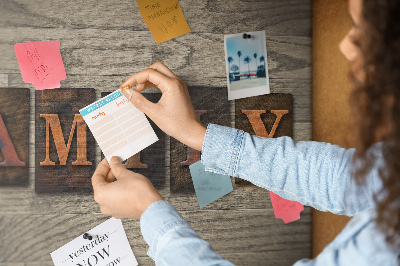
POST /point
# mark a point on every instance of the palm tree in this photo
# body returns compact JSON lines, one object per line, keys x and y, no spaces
{"x":262,"y":59}
{"x":230,"y":60}
{"x":239,"y":54}
{"x":255,"y":58}
{"x":247,"y":60}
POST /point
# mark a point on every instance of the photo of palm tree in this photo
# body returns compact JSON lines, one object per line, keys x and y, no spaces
{"x":246,"y":65}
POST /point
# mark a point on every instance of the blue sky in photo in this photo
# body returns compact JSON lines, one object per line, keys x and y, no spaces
{"x":248,"y":47}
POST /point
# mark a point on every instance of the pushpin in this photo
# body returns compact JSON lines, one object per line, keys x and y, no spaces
{"x":246,"y":36}
{"x":87,"y":236}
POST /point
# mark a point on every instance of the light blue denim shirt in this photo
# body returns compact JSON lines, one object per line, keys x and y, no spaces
{"x":312,"y":173}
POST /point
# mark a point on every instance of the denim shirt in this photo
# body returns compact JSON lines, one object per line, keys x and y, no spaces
{"x":313,"y":173}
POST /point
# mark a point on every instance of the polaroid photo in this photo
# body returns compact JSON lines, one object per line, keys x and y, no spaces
{"x":246,"y":64}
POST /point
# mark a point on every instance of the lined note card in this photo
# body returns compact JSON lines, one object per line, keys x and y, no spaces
{"x":118,"y":126}
{"x":164,"y":18}
{"x":41,"y":63}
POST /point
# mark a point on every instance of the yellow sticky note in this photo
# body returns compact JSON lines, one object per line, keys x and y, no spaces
{"x":164,"y":18}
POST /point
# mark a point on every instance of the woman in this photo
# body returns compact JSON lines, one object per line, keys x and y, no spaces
{"x":320,"y":175}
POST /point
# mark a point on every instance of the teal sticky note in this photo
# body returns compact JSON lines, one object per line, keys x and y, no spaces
{"x":209,"y":186}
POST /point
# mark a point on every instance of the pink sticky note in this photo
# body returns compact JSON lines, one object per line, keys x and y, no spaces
{"x":284,"y":209}
{"x":41,"y":63}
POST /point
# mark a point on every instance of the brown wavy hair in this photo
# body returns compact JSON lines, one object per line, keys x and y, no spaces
{"x":375,"y":100}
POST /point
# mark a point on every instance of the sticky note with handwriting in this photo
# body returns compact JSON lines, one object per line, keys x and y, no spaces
{"x":164,"y":18}
{"x":209,"y":186}
{"x":108,"y":246}
{"x":41,"y":63}
{"x":284,"y":209}
{"x":118,"y":126}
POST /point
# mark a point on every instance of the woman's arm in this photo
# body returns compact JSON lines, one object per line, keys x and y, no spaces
{"x":313,"y":173}
{"x":171,"y":239}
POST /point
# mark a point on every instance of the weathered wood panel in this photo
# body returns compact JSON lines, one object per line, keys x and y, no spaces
{"x":14,"y":137}
{"x":102,"y":44}
{"x":291,"y":17}
{"x":301,"y":89}
{"x":63,"y":162}
{"x":4,"y":80}
{"x":254,"y":231}
{"x":102,"y":52}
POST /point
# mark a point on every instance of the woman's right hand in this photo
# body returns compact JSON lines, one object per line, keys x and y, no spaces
{"x":174,"y":112}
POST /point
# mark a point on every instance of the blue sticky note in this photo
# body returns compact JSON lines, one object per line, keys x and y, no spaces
{"x":209,"y":186}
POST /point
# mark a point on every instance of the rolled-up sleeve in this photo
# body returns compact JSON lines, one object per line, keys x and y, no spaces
{"x":316,"y":174}
{"x":172,"y":241}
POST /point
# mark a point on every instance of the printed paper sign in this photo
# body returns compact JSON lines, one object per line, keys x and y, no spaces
{"x":284,"y":209}
{"x":108,"y":247}
{"x":118,"y":126}
{"x":164,"y":18}
{"x":41,"y":63}
{"x":209,"y":186}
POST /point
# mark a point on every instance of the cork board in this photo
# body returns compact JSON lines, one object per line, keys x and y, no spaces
{"x":331,"y":89}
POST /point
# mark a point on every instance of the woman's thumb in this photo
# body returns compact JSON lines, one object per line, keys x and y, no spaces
{"x":117,"y":167}
{"x":138,"y":100}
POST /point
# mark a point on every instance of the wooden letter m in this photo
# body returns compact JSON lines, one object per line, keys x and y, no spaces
{"x":53,"y":122}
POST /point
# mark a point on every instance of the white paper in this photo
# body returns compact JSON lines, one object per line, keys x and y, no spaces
{"x":118,"y":126}
{"x":109,"y":247}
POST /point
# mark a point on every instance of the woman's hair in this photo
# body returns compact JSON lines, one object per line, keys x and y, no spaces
{"x":375,"y":100}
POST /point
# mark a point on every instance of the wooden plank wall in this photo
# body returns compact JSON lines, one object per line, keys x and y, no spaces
{"x":102,"y":43}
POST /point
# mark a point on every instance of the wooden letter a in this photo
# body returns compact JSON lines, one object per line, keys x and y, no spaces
{"x":7,"y":148}
{"x":62,"y":149}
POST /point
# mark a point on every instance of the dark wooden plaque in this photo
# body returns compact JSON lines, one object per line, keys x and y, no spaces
{"x":267,"y":116}
{"x":150,"y":162}
{"x":212,"y":106}
{"x":65,"y":147}
{"x":14,"y":137}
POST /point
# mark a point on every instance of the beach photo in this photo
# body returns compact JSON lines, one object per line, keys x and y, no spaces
{"x":246,"y":64}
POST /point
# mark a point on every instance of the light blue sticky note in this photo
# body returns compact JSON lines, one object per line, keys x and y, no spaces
{"x":209,"y":186}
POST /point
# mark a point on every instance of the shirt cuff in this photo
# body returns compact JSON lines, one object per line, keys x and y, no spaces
{"x":221,"y":149}
{"x":157,"y":220}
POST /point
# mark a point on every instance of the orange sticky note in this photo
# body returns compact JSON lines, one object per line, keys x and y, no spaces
{"x":164,"y":18}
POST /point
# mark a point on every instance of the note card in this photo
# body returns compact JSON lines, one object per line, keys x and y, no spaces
{"x":164,"y":18}
{"x":287,"y":210}
{"x":209,"y":186}
{"x":118,"y":126}
{"x":108,"y":247}
{"x":41,"y":63}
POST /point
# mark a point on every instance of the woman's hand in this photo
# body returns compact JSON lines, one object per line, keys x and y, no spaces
{"x":127,"y":197}
{"x":174,"y":113}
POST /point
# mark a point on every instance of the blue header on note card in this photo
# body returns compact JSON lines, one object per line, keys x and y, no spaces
{"x":94,"y":106}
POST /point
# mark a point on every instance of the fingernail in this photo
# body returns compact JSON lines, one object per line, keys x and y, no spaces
{"x":125,"y":88}
{"x":127,"y":93}
{"x":115,"y":160}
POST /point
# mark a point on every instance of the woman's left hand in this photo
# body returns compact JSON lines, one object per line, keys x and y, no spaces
{"x":127,"y":197}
